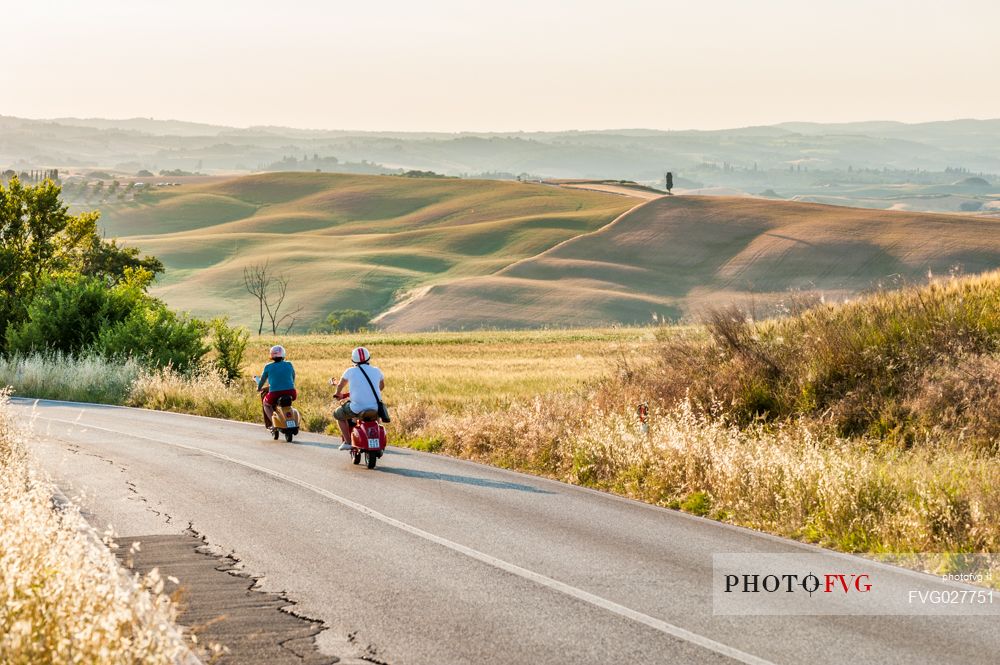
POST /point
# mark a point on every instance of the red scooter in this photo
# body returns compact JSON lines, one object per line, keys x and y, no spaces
{"x":367,"y":437}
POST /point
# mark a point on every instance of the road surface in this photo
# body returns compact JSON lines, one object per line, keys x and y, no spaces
{"x":434,"y":560}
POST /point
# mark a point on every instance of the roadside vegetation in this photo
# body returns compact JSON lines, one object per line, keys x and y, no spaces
{"x":68,"y":294}
{"x":77,"y":322}
{"x":869,"y":426}
{"x":749,"y":422}
{"x":63,"y":597}
{"x":447,"y":373}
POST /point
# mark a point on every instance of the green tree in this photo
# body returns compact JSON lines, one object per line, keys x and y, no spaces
{"x":40,"y":240}
{"x":346,"y":320}
{"x":38,"y":237}
{"x":109,"y":260}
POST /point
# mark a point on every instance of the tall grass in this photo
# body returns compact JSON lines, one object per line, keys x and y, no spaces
{"x":204,"y":393}
{"x":868,"y":427}
{"x":792,"y":479}
{"x":56,"y":376}
{"x":875,"y":367}
{"x":63,"y":597}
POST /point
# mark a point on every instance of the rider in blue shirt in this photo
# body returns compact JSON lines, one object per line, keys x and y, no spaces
{"x":279,"y":376}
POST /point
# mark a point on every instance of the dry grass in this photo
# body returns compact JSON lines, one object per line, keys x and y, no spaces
{"x":204,"y":394}
{"x":63,"y":597}
{"x":676,"y":255}
{"x":56,"y":376}
{"x":792,"y":480}
{"x":746,"y":421}
{"x":887,"y":366}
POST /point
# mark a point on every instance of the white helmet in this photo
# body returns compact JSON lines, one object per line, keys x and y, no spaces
{"x":360,"y":355}
{"x":277,"y":351}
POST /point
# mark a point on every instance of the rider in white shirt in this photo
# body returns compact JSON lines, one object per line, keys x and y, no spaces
{"x":365,"y":393}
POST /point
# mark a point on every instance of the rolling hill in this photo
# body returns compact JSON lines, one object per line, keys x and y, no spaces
{"x":445,"y":253}
{"x":675,"y":255}
{"x":345,"y":241}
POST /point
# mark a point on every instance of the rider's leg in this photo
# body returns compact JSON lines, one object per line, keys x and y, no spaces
{"x":345,"y":430}
{"x":268,"y":410}
{"x":342,"y":414}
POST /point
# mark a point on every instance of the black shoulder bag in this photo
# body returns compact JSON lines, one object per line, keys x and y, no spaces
{"x":383,"y":410}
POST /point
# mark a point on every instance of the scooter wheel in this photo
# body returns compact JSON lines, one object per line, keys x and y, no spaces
{"x":357,"y":457}
{"x":371,"y":459}
{"x":288,"y":437}
{"x":275,"y":434}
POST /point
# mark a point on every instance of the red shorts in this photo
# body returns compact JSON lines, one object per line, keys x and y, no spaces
{"x":272,"y":397}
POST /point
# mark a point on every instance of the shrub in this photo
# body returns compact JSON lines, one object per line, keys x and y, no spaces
{"x":156,"y":336}
{"x":960,"y":396}
{"x":76,"y":315}
{"x":230,"y":345}
{"x":344,"y":320}
{"x":68,"y":313}
{"x":856,"y":365}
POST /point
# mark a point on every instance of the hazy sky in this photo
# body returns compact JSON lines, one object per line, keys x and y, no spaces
{"x":501,"y":65}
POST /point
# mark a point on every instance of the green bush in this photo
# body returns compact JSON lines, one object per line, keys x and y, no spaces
{"x":78,"y":315}
{"x":156,"y":336}
{"x":42,"y":242}
{"x":230,"y":346}
{"x":68,"y":313}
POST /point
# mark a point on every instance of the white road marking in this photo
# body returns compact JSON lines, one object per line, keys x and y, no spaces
{"x":538,"y":578}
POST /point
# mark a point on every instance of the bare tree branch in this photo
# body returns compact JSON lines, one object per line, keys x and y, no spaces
{"x":270,"y":290}
{"x":291,"y":317}
{"x":273,"y":304}
{"x":256,"y":278}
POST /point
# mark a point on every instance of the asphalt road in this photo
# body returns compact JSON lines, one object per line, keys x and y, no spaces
{"x":433,"y":560}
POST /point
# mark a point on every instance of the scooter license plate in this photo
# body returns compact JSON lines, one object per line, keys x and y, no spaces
{"x":373,"y":443}
{"x":289,"y":424}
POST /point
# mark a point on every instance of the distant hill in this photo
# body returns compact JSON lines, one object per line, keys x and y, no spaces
{"x":149,"y":126}
{"x":674,"y":256}
{"x":345,"y":241}
{"x":973,"y":182}
{"x":793,"y":158}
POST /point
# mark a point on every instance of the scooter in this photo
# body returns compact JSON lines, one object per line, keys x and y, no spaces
{"x":368,"y":437}
{"x":285,"y":418}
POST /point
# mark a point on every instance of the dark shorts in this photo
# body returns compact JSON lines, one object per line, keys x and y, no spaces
{"x":344,"y":412}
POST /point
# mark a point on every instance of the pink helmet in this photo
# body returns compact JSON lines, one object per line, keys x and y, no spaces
{"x":277,"y":351}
